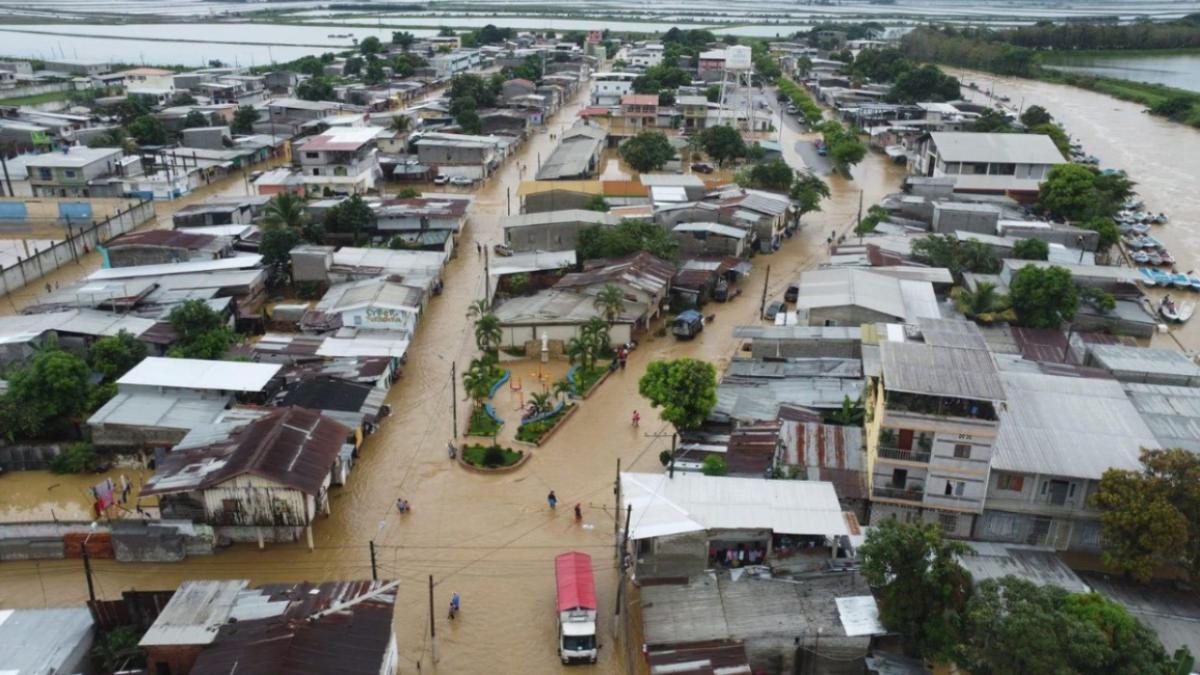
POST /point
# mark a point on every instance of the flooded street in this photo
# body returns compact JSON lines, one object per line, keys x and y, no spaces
{"x":490,"y":538}
{"x":1161,"y":157}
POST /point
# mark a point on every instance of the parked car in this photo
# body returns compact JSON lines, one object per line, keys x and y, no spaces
{"x":773,"y":309}
{"x":502,"y":250}
{"x":462,"y":181}
{"x":792,"y":109}
{"x":441,"y":179}
{"x":687,"y":325}
{"x":703,"y":167}
{"x":793,"y":292}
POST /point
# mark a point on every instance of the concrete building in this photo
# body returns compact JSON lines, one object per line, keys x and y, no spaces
{"x":710,"y":239}
{"x":711,"y":65}
{"x":644,"y":280}
{"x":73,"y":173}
{"x":1148,"y":365}
{"x":371,"y":304}
{"x":40,"y":641}
{"x":267,"y":481}
{"x":460,"y":155}
{"x":153,"y":247}
{"x":932,"y":427}
{"x":609,"y":88}
{"x":551,"y":230}
{"x":988,"y":163}
{"x":639,"y":111}
{"x":1057,"y":437}
{"x":429,"y":212}
{"x":557,"y":316}
{"x":851,"y":296}
{"x":576,"y":156}
{"x":342,"y":160}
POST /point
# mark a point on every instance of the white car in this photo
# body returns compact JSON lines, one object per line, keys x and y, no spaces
{"x":462,"y":181}
{"x":441,"y":179}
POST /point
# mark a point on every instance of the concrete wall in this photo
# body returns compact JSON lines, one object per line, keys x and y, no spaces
{"x":47,"y":260}
{"x":28,"y":456}
{"x":845,"y":315}
{"x":518,"y":336}
{"x":37,"y":89}
{"x":562,"y":236}
{"x":555,"y":200}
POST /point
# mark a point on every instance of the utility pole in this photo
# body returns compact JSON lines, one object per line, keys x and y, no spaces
{"x":762,"y":307}
{"x":87,"y":571}
{"x":487,"y":278}
{"x":4,"y":165}
{"x":508,"y":201}
{"x":621,"y":561}
{"x":374,"y":571}
{"x":454,"y":400}
{"x":671,"y":472}
{"x":432,"y":627}
{"x":858,"y":219}
{"x":617,"y":510}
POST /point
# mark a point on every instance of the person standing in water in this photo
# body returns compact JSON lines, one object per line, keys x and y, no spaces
{"x":551,"y":499}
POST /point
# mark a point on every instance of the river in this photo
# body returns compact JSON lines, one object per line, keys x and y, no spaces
{"x":1176,"y":70}
{"x":1162,"y":157}
{"x":490,"y":538}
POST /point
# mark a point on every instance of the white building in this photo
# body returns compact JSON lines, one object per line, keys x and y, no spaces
{"x":343,"y":160}
{"x":987,"y":163}
{"x":608,"y":88}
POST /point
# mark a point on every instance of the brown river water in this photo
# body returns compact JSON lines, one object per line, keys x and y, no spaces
{"x":493,"y":538}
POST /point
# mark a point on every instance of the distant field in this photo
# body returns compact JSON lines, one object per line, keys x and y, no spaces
{"x":36,"y":99}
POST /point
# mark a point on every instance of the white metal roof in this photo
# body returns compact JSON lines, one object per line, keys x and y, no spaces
{"x":194,"y":614}
{"x":155,"y":371}
{"x":37,"y":641}
{"x":962,"y":146}
{"x":1068,"y":426}
{"x":712,"y":228}
{"x":221,"y":264}
{"x":692,"y":502}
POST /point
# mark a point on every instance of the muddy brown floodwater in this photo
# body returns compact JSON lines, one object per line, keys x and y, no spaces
{"x":1162,"y":157}
{"x":492,"y":539}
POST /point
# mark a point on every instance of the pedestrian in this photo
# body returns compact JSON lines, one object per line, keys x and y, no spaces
{"x":578,"y":513}
{"x":47,"y":287}
{"x":455,"y":604}
{"x":478,"y":248}
{"x":636,"y":418}
{"x":552,"y":500}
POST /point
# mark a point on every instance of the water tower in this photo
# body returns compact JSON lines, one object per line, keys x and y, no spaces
{"x":739,"y":72}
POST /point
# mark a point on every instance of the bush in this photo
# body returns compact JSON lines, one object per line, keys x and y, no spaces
{"x":482,"y":423}
{"x":490,"y":456}
{"x":75,"y":458}
{"x":533,"y":432}
{"x":585,"y":379}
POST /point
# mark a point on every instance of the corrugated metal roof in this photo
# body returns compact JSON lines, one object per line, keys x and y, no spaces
{"x":696,"y":503}
{"x":163,"y":411}
{"x":1122,"y":359}
{"x":235,"y":263}
{"x":1068,"y":426}
{"x":554,"y":217}
{"x":952,"y":333}
{"x":919,"y":368}
{"x":954,"y":146}
{"x":40,"y":641}
{"x":194,"y":614}
{"x":1040,"y":566}
{"x":846,"y":286}
{"x":155,"y":371}
{"x":1171,"y":412}
{"x":712,"y":228}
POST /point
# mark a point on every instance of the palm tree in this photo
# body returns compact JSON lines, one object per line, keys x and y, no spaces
{"x":595,"y":333}
{"x":401,"y":123}
{"x":488,"y":333}
{"x":983,"y":304}
{"x":610,"y":301}
{"x":285,"y":209}
{"x":562,"y":388}
{"x":581,"y":353}
{"x":540,"y":401}
{"x":477,"y":309}
{"x":850,"y":414}
{"x":478,"y":382}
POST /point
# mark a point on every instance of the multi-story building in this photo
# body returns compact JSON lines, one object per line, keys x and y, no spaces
{"x":639,"y":111}
{"x":695,"y":111}
{"x":608,"y":88}
{"x":647,"y":56}
{"x":1058,"y":437}
{"x":1013,"y":164}
{"x":73,"y":172}
{"x":931,"y":427}
{"x":343,"y":160}
{"x":711,"y":65}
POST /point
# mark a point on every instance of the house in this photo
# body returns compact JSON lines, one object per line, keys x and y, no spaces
{"x":459,"y":154}
{"x":513,"y":123}
{"x":987,"y":163}
{"x":1057,"y":437}
{"x":644,"y":280}
{"x":73,"y":172}
{"x":294,"y":112}
{"x":515,"y":87}
{"x":553,"y":315}
{"x":710,"y":239}
{"x":766,"y":213}
{"x":711,"y":64}
{"x":646,"y":56}
{"x":39,"y":641}
{"x":73,"y":329}
{"x":152,"y":247}
{"x":551,"y":230}
{"x":639,"y":111}
{"x":212,"y":627}
{"x":200,"y":377}
{"x":694,"y":110}
{"x":356,"y":405}
{"x":220,"y":211}
{"x":933,"y":424}
{"x":379,"y":303}
{"x":609,"y":88}
{"x":688,"y":523}
{"x":705,"y":278}
{"x":576,"y":156}
{"x":342,"y":160}
{"x":1149,"y":365}
{"x":267,"y":481}
{"x":850,"y":296}
{"x":429,"y":212}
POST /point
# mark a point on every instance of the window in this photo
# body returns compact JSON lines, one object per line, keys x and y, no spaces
{"x":954,"y":488}
{"x":962,"y":451}
{"x":44,"y":174}
{"x":316,"y":172}
{"x":69,"y":173}
{"x":312,"y":155}
{"x":1014,"y":483}
{"x":948,"y":521}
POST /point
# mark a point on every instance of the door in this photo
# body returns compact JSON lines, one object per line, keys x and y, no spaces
{"x":1058,"y":492}
{"x":906,"y":439}
{"x":1041,"y":528}
{"x":899,"y":478}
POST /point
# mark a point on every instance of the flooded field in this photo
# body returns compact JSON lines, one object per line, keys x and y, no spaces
{"x":1162,"y":157}
{"x":1176,"y":70}
{"x":490,"y":538}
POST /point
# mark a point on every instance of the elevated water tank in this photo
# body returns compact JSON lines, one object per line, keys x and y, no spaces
{"x":738,"y":58}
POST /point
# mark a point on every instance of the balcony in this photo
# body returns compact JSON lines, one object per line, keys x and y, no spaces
{"x":905,"y":455}
{"x":911,"y":493}
{"x":938,"y":406}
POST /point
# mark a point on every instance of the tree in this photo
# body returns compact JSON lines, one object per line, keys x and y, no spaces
{"x":1176,"y":472}
{"x":927,"y":83}
{"x":776,"y":176}
{"x":488,"y":333}
{"x":722,"y":143}
{"x":113,"y":355}
{"x":991,"y":122}
{"x":1031,"y":249}
{"x":468,"y":120}
{"x":1057,"y":135}
{"x":627,"y":238}
{"x":473,"y":86}
{"x":375,"y":74}
{"x":400,"y":124}
{"x":244,"y":119}
{"x":276,"y":249}
{"x":1035,"y":115}
{"x":1069,"y":191}
{"x":1177,"y":108}
{"x":875,"y":215}
{"x":850,"y":414}
{"x":316,"y":89}
{"x":50,"y":392}
{"x":148,"y":130}
{"x":286,"y":209}
{"x":403,"y":38}
{"x":1109,"y":233}
{"x":686,"y":389}
{"x":179,"y":98}
{"x":370,"y":46}
{"x":713,"y":93}
{"x":714,"y":465}
{"x":1043,"y":297}
{"x":351,"y":216}
{"x":353,"y":66}
{"x":118,"y":650}
{"x":478,"y":308}
{"x":202,"y":332}
{"x":610,"y":301}
{"x":984,"y":304}
{"x":920,"y":587}
{"x":956,"y":255}
{"x":477,"y":381}
{"x":844,"y":147}
{"x":195,"y":119}
{"x":1142,"y":528}
{"x":647,"y":151}
{"x":806,"y":194}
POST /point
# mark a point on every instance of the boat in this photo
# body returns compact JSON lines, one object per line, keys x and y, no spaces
{"x":1160,"y":219}
{"x":1160,"y":278}
{"x":1124,"y":228}
{"x":1140,"y":257}
{"x":1148,"y":277}
{"x":1181,"y":280}
{"x":1151,"y":242}
{"x":1139,"y":228}
{"x":1167,"y":258}
{"x":1133,"y":204}
{"x":1154,"y":258}
{"x":1178,"y":313}
{"x":1135,"y":241}
{"x":1186,"y":310}
{"x":1194,"y":281}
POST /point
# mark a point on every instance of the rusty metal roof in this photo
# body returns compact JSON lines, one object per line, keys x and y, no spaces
{"x":166,"y":238}
{"x":752,"y":447}
{"x":727,"y":657}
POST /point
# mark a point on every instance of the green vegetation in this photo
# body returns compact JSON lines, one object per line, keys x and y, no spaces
{"x":202,"y":332}
{"x":244,"y":119}
{"x":875,"y":215}
{"x":800,"y":98}
{"x":584,"y":350}
{"x":956,"y":255}
{"x":845,"y":149}
{"x":722,"y":143}
{"x":1080,"y":193}
{"x":1031,"y":249}
{"x":114,"y":355}
{"x":50,"y":396}
{"x":534,"y":431}
{"x":647,"y":151}
{"x":686,"y":389}
{"x":627,"y":238}
{"x":1043,"y":297}
{"x":75,"y":458}
{"x":806,"y":194}
{"x":481,"y":423}
{"x":491,"y":456}
{"x":118,"y":650}
{"x":983,"y":304}
{"x":48,"y":97}
{"x":350,"y":216}
{"x":1151,"y":518}
{"x":714,"y":465}
{"x":276,"y":249}
{"x":586,"y":379}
